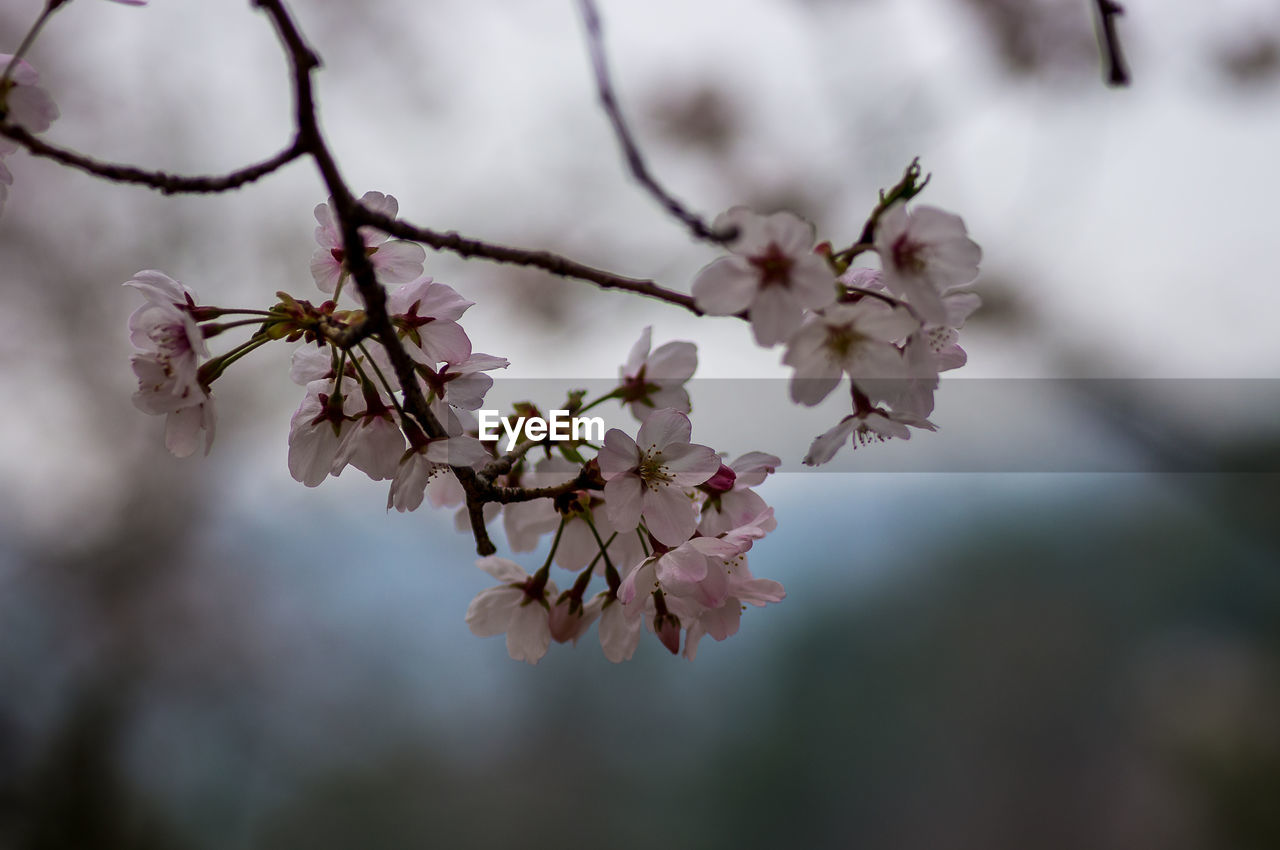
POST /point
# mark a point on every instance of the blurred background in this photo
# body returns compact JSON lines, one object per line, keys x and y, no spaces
{"x":1061,"y":629}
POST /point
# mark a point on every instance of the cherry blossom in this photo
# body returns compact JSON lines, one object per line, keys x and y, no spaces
{"x":167,"y":364}
{"x":648,"y":480}
{"x":426,"y":313}
{"x":854,"y":339}
{"x":739,"y":503}
{"x":393,"y":261}
{"x":873,"y":426}
{"x":619,"y":630}
{"x":519,"y":608}
{"x":925,"y":253}
{"x":723,"y":621}
{"x":422,"y":464}
{"x":653,"y":380}
{"x":318,"y":428}
{"x":772,"y":273}
{"x":465,"y":384}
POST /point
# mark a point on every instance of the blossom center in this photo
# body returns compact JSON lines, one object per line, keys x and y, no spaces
{"x":652,"y":471}
{"x":908,"y":256}
{"x":842,"y":340}
{"x":773,"y":265}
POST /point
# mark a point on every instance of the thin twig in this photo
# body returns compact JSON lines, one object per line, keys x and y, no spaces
{"x":554,"y":263}
{"x":604,"y":87}
{"x":168,"y":184}
{"x":1109,"y":43}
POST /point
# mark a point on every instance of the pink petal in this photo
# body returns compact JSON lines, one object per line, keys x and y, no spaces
{"x":669,"y":514}
{"x":618,"y":455}
{"x":726,"y":286}
{"x":663,"y":428}
{"x":622,"y":501}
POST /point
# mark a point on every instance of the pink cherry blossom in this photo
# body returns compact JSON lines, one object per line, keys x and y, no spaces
{"x":649,"y":480}
{"x":422,"y":465}
{"x":619,"y":629}
{"x":318,"y":427}
{"x":519,"y":608}
{"x":737,"y":506}
{"x":653,"y":380}
{"x":426,"y":314}
{"x":772,"y":273}
{"x":854,"y":339}
{"x":167,"y":364}
{"x":374,"y":444}
{"x":465,"y":383}
{"x":925,"y":253}
{"x":396,"y":261}
{"x":27,"y":105}
{"x":722,"y":622}
{"x":569,"y":625}
{"x":874,"y":426}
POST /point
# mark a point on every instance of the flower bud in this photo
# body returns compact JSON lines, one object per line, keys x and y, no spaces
{"x":722,"y":481}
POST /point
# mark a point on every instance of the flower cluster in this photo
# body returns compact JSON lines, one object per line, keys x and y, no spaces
{"x":671,"y":529}
{"x":665,"y":523}
{"x":890,"y":330}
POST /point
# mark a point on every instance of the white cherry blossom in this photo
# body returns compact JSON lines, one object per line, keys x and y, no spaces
{"x":854,"y":339}
{"x":925,"y":253}
{"x":649,"y":479}
{"x":518,"y":608}
{"x":656,"y":379}
{"x":772,"y":273}
{"x":393,"y":261}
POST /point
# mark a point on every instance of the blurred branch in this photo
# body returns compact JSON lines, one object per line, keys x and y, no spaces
{"x":609,"y":102}
{"x":168,"y":184}
{"x":1109,"y":42}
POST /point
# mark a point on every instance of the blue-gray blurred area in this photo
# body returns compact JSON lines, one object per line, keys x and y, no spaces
{"x":1083,"y":653}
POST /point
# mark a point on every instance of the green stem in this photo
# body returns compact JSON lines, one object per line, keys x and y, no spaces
{"x":540,"y":577}
{"x":601,"y":400}
{"x":381,"y":377}
{"x":220,"y":364}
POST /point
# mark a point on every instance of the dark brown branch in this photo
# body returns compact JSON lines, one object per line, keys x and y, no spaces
{"x":168,"y":184}
{"x":1117,"y":73}
{"x":303,"y":61}
{"x":595,"y":45}
{"x":545,"y":260}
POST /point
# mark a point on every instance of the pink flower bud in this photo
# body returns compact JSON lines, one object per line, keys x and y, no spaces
{"x":668,"y":629}
{"x":722,"y":481}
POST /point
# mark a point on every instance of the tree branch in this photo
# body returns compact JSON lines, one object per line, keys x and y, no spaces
{"x":1109,"y":43}
{"x":545,"y":260}
{"x":168,"y":184}
{"x":595,"y":46}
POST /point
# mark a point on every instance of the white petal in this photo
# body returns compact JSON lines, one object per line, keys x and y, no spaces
{"x":674,"y":361}
{"x":529,"y":634}
{"x":825,"y":445}
{"x":639,"y":352}
{"x":775,"y":315}
{"x":726,"y":286}
{"x":618,"y":455}
{"x":503,"y":569}
{"x":663,"y":428}
{"x":690,"y":464}
{"x":622,"y":501}
{"x":491,"y":610}
{"x":398,"y":261}
{"x":669,"y":515}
